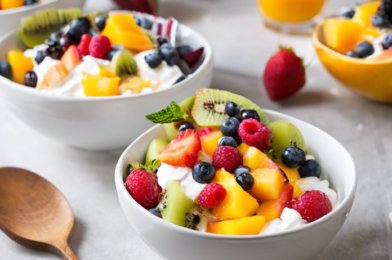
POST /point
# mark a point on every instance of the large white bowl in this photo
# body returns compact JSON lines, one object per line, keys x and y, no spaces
{"x":98,"y":123}
{"x":10,"y":18}
{"x":174,"y":242}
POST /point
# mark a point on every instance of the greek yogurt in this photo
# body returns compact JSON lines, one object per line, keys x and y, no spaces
{"x":314,"y":183}
{"x":290,"y":219}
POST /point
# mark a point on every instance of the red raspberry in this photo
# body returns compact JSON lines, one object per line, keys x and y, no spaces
{"x":205,"y":131}
{"x":227,"y":157}
{"x":143,"y":187}
{"x":312,"y":205}
{"x":99,"y":46}
{"x":255,"y":134}
{"x":212,"y":195}
{"x":84,"y":45}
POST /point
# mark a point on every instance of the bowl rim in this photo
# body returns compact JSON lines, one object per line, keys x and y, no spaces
{"x":24,"y":8}
{"x":205,"y":66}
{"x":345,"y":203}
{"x":317,"y":43}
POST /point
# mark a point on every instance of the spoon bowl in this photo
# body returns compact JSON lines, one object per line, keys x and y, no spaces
{"x":34,"y":213}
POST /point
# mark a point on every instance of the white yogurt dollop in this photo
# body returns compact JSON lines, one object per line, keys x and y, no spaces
{"x":190,"y":187}
{"x":314,"y":183}
{"x":290,"y":219}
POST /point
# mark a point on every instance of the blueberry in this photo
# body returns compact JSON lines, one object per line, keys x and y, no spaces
{"x":181,"y":78}
{"x":65,"y":42}
{"x":31,"y":79}
{"x":183,"y":50}
{"x":79,"y":27}
{"x":311,"y":168}
{"x":229,"y":127}
{"x":146,"y":23}
{"x":100,"y":21}
{"x":238,"y":140}
{"x":232,"y":109}
{"x":161,"y":41}
{"x":155,"y":212}
{"x":352,"y":54}
{"x":137,"y":20}
{"x":93,"y":32}
{"x":110,"y":54}
{"x":244,"y":166}
{"x":39,"y":57}
{"x":153,"y":60}
{"x":54,"y":50}
{"x":380,"y":21}
{"x":240,"y":170}
{"x":245,"y":179}
{"x":249,"y":113}
{"x":293,"y":156}
{"x":55,"y":37}
{"x":387,"y":41}
{"x":227,"y":141}
{"x":203,"y":172}
{"x":30,"y":2}
{"x":185,"y":126}
{"x":5,"y":69}
{"x":364,"y":49}
{"x":349,"y":14}
{"x":169,"y":54}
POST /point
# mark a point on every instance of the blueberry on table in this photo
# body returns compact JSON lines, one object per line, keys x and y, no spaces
{"x":5,"y":69}
{"x":387,"y":41}
{"x":293,"y":156}
{"x":181,"y":78}
{"x":311,"y":168}
{"x":100,"y":21}
{"x":380,"y":21}
{"x":54,"y":50}
{"x":183,"y":50}
{"x":31,"y":79}
{"x":79,"y":27}
{"x":227,"y":141}
{"x":161,"y":41}
{"x":203,"y":172}
{"x":245,"y":180}
{"x":185,"y":126}
{"x":146,"y":23}
{"x":229,"y":127}
{"x":232,"y":109}
{"x":155,"y":212}
{"x":352,"y":54}
{"x":364,"y":49}
{"x":169,"y":54}
{"x":153,"y":60}
{"x":249,"y":113}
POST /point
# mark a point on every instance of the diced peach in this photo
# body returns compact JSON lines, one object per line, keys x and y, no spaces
{"x":95,"y":85}
{"x":291,"y":173}
{"x":268,"y":184}
{"x":55,"y":75}
{"x":19,"y":65}
{"x":243,"y":147}
{"x":365,"y":13}
{"x":256,"y":159}
{"x":210,"y":141}
{"x":71,"y":58}
{"x":239,"y":226}
{"x":237,"y":203}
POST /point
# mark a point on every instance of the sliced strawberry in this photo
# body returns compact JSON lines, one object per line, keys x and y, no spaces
{"x":285,"y":197}
{"x":182,"y":151}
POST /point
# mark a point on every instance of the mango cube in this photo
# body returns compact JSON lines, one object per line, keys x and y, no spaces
{"x":268,"y":184}
{"x":256,"y":159}
{"x":291,"y":173}
{"x":97,"y":86}
{"x":239,"y":226}
{"x":243,"y":147}
{"x":19,"y":65}
{"x":210,"y":142}
{"x":54,"y":76}
{"x":365,"y":13}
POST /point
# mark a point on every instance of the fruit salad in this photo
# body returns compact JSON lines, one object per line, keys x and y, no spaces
{"x":10,"y":4}
{"x":362,"y":32}
{"x":99,"y":54}
{"x":226,"y":169}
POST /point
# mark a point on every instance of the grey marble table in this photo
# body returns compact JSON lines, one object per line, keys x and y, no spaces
{"x":242,"y":46}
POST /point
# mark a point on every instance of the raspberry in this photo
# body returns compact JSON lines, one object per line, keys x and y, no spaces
{"x":143,"y":187}
{"x":255,"y":134}
{"x":212,"y":195}
{"x":227,"y":157}
{"x":205,"y":131}
{"x":312,"y":205}
{"x":84,"y":45}
{"x":99,"y":46}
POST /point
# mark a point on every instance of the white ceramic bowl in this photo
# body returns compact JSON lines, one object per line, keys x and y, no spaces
{"x":10,"y":18}
{"x":178,"y":243}
{"x":98,"y":123}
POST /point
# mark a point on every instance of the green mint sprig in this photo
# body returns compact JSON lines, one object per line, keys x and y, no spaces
{"x":171,"y":113}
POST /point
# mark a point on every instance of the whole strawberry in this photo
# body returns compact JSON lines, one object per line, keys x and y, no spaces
{"x":284,"y":74}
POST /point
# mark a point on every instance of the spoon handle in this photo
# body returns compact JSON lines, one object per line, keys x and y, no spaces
{"x":67,"y":253}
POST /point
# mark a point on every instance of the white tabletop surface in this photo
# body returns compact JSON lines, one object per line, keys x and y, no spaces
{"x":242,"y":47}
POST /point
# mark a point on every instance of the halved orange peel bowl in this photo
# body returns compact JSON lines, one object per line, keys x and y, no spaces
{"x":371,"y":79}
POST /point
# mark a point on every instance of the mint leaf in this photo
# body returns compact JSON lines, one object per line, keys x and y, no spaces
{"x":170,"y":114}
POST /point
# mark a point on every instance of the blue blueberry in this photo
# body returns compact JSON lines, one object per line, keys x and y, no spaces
{"x":153,"y":60}
{"x":203,"y":172}
{"x":249,"y":113}
{"x":240,"y":170}
{"x":65,"y":42}
{"x":31,"y":79}
{"x":79,"y":27}
{"x":227,"y":141}
{"x":380,"y":21}
{"x":184,"y":49}
{"x":387,"y":41}
{"x":161,"y":41}
{"x":5,"y":69}
{"x":232,"y":109}
{"x":311,"y":168}
{"x":229,"y":127}
{"x":181,"y":78}
{"x":349,"y":14}
{"x":100,"y":21}
{"x":93,"y":32}
{"x":146,"y":23}
{"x":155,"y":212}
{"x":169,"y":54}
{"x":39,"y":57}
{"x":364,"y":49}
{"x":293,"y":156}
{"x":185,"y":126}
{"x":54,"y":50}
{"x":245,"y":180}
{"x":110,"y":54}
{"x":352,"y":54}
{"x":55,"y":37}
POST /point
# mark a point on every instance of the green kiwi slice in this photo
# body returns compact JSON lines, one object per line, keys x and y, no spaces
{"x":123,"y":63}
{"x":176,"y":206}
{"x":209,"y":107}
{"x":35,"y":29}
{"x":155,"y":147}
{"x":284,"y":134}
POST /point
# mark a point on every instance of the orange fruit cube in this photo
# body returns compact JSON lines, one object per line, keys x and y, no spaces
{"x":291,"y":173}
{"x":365,"y":13}
{"x":53,"y":76}
{"x":256,"y":159}
{"x":243,"y":147}
{"x":268,"y":184}
{"x":98,"y":86}
{"x":210,"y":142}
{"x":19,"y":65}
{"x":240,"y":226}
{"x":106,"y":73}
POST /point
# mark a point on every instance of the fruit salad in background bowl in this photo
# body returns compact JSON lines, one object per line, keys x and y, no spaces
{"x":222,"y":174}
{"x":355,"y":47}
{"x":84,"y":79}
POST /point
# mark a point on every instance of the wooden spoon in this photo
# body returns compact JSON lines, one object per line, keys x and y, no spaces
{"x":34,"y":213}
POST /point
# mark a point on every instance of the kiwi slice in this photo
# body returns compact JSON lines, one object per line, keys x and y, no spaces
{"x":284,"y":134}
{"x":151,"y":35}
{"x":35,"y":29}
{"x":123,"y":63}
{"x":155,"y":147}
{"x":209,"y":107}
{"x":176,"y":206}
